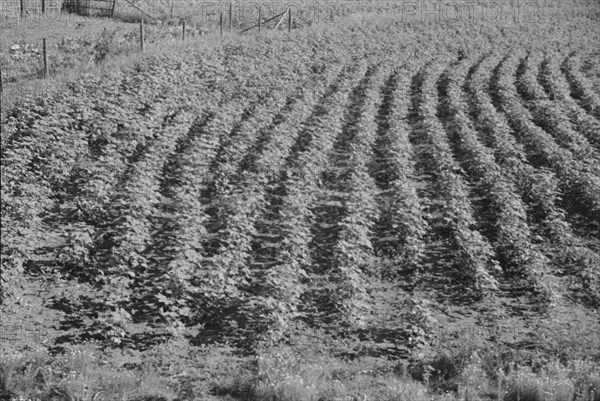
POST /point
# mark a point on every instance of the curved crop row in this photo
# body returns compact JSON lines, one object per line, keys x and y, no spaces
{"x":402,"y":227}
{"x":527,"y":78}
{"x":127,"y":235}
{"x":178,"y":272}
{"x":244,"y":137}
{"x":553,"y":118}
{"x":493,"y":127}
{"x":209,"y":156}
{"x":113,"y":146}
{"x":130,"y":246}
{"x":353,"y":251}
{"x":496,"y":134}
{"x":38,"y":161}
{"x":245,"y":202}
{"x":120,"y":123}
{"x":548,"y":114}
{"x":36,"y":164}
{"x":580,"y":87}
{"x":579,"y":180}
{"x":71,"y":152}
{"x":558,"y":89}
{"x":511,"y":234}
{"x":473,"y":254}
{"x":290,"y":263}
{"x":180,"y":267}
{"x":539,"y":188}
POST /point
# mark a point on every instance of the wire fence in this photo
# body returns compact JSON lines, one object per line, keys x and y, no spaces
{"x":23,"y":8}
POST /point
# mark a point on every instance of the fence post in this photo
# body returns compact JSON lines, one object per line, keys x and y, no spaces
{"x":46,"y":66}
{"x":112,"y":10}
{"x":221,"y":23}
{"x":142,"y":35}
{"x":172,"y":8}
{"x":289,"y":19}
{"x":22,"y":9}
{"x":183,"y":31}
{"x":43,"y":7}
{"x":259,"y":18}
{"x":230,"y":15}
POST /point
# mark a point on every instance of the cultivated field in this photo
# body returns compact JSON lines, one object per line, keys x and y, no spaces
{"x":371,"y":188}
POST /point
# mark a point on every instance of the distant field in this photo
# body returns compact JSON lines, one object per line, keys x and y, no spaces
{"x":393,"y":185}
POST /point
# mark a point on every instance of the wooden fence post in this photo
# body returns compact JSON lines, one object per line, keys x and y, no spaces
{"x":142,"y":35}
{"x":289,"y":19}
{"x":183,"y":31}
{"x":221,"y":23}
{"x":112,"y":9}
{"x":43,"y":7}
{"x":22,"y":9}
{"x":230,"y":15}
{"x":172,"y":8}
{"x":46,"y":66}
{"x":259,"y":18}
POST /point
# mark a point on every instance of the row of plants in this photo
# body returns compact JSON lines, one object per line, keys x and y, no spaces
{"x":219,"y":128}
{"x":241,"y":208}
{"x":179,"y":274}
{"x":538,"y":187}
{"x":241,"y":204}
{"x":495,"y":132}
{"x":236,"y":167}
{"x":43,"y":152}
{"x":179,"y":271}
{"x":122,"y":121}
{"x":239,"y":199}
{"x":473,"y":256}
{"x":38,"y":157}
{"x":550,"y":115}
{"x":69,"y":153}
{"x":557,"y":87}
{"x":281,"y":255}
{"x":352,"y":254}
{"x":505,"y":212}
{"x":492,"y":126}
{"x":130,"y":203}
{"x":188,"y":277}
{"x":244,"y":137}
{"x":117,"y":137}
{"x":581,"y":88}
{"x":402,"y":227}
{"x":527,"y":77}
{"x":553,"y":118}
{"x":127,"y":233}
{"x":292,"y":263}
{"x":111,"y":146}
{"x":184,"y":280}
{"x":579,"y":180}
